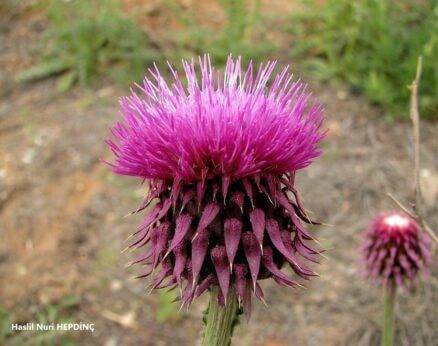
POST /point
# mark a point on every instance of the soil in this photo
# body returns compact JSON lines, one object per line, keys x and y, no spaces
{"x":62,"y":229}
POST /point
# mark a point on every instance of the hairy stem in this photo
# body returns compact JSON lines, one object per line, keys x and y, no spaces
{"x":388,"y":324}
{"x":220,"y":322}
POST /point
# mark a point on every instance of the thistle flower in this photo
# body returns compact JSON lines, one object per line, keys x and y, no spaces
{"x":395,"y":250}
{"x":220,"y":157}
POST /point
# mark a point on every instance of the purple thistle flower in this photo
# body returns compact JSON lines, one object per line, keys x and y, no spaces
{"x":220,"y":158}
{"x":395,"y":250}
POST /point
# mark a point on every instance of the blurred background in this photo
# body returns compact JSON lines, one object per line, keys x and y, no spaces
{"x":63,"y":66}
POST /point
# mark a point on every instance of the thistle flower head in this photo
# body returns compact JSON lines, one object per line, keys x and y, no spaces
{"x":220,"y":157}
{"x":395,"y":250}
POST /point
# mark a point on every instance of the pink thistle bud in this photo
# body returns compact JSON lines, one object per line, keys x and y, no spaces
{"x":395,"y":250}
{"x":220,"y":156}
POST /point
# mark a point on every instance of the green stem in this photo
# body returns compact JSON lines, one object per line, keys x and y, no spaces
{"x":220,"y":321}
{"x":388,"y":324}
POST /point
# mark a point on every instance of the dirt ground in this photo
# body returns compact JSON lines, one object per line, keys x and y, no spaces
{"x":62,"y":229}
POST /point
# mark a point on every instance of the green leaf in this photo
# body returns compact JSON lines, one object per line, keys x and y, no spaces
{"x":67,"y":81}
{"x":44,"y":70}
{"x":70,"y":300}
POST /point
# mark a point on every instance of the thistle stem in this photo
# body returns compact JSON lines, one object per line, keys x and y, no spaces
{"x":220,"y":321}
{"x":388,"y":324}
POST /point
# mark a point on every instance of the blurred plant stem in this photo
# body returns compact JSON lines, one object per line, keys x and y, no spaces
{"x":418,"y":213}
{"x":220,"y":322}
{"x":388,"y":323}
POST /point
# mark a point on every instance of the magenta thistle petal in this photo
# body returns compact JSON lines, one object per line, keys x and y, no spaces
{"x":220,"y":155}
{"x":161,"y":136}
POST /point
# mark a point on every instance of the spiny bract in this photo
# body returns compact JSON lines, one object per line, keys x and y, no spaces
{"x":220,"y":156}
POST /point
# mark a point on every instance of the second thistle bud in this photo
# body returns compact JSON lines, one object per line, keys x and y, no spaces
{"x":395,"y":250}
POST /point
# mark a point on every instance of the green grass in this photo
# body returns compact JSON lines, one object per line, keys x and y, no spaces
{"x":87,"y":39}
{"x":6,"y":320}
{"x":167,"y":308}
{"x":373,"y":45}
{"x":52,"y":313}
{"x":241,"y":35}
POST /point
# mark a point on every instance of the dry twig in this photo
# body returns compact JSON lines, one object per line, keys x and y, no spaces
{"x":415,"y":119}
{"x":401,"y":206}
